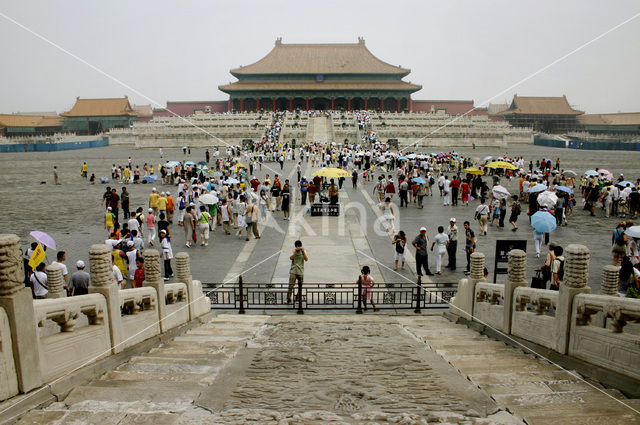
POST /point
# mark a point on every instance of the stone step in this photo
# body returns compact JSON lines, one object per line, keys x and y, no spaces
{"x":124,"y":391}
{"x":170,"y":368}
{"x":195,"y":378}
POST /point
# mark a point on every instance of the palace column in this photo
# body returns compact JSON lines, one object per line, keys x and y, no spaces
{"x":230,"y":105}
{"x":257,"y":104}
{"x":333,"y":99}
{"x":348,"y":103}
{"x":274,"y":104}
{"x":290,"y":104}
{"x":399,"y":105}
{"x":241,"y":105}
{"x":307,"y":103}
{"x":382,"y":104}
{"x":410,"y":105}
{"x":365,"y":103}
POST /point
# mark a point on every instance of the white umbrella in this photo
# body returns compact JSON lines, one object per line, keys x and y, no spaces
{"x":208,"y":199}
{"x":500,"y":191}
{"x":486,"y":158}
{"x":547,"y":199}
{"x":633,"y":231}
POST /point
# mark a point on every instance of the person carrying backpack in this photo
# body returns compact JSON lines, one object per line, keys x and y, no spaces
{"x":400,"y":241}
{"x":557,"y":268}
{"x":619,"y":243}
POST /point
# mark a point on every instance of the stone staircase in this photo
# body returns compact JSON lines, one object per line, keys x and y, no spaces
{"x":342,"y":369}
{"x":310,"y":130}
{"x":529,"y":387}
{"x":160,"y":385}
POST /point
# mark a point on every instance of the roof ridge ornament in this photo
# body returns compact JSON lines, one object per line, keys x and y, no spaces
{"x":361,"y":40}
{"x":278,"y":41}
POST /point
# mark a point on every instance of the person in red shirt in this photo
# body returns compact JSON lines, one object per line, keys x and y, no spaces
{"x":255,"y":183}
{"x":138,"y":277}
{"x":455,"y":186}
{"x":390,"y":189}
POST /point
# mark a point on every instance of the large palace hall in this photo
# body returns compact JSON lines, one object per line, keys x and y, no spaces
{"x":320,"y":76}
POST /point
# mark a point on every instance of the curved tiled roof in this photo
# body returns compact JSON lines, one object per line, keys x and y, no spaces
{"x":540,"y":106}
{"x":100,"y":107}
{"x":16,"y":120}
{"x":318,"y":86}
{"x":347,"y":58}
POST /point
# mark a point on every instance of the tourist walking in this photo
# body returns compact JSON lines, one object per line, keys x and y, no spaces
{"x":285,"y":199}
{"x":167,"y":254}
{"x":482,"y":215}
{"x":422,"y":257}
{"x":400,"y":243}
{"x":203,"y":225}
{"x":469,"y":244}
{"x":150,"y":221}
{"x":388,"y":215}
{"x":189,"y":226}
{"x":515,"y":212}
{"x":296,"y":271}
{"x":80,"y":280}
{"x":628,"y":279}
{"x":452,"y":245}
{"x":39,"y":282}
{"x":252,"y":220}
{"x":619,"y":243}
{"x":367,"y":282}
{"x":440,"y":243}
{"x":225,"y":212}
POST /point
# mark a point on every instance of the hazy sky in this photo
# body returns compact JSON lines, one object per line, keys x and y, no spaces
{"x":182,"y":50}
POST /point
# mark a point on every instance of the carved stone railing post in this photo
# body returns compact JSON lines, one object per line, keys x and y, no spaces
{"x":477,"y":267}
{"x":153,"y":278}
{"x":462,"y":303}
{"x":184,"y":275}
{"x":517,"y":270}
{"x":609,"y":284}
{"x":55,"y":281}
{"x":576,"y":278}
{"x":17,"y":302}
{"x":102,"y":283}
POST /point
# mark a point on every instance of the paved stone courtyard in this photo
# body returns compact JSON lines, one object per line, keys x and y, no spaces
{"x":72,"y":214}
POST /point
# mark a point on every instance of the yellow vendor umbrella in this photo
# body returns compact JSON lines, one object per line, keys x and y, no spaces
{"x":332,"y":172}
{"x":473,"y":171}
{"x":502,"y":164}
{"x":238,"y":165}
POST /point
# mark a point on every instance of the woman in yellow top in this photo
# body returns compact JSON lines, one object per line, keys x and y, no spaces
{"x":118,"y":261}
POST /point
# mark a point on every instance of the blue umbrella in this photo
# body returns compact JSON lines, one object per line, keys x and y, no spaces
{"x":151,"y":178}
{"x":402,"y":158}
{"x":172,"y":164}
{"x":231,"y":181}
{"x":419,"y":180}
{"x":537,"y":188}
{"x":543,"y":221}
{"x":202,"y":162}
{"x":625,"y":183}
{"x":590,"y":173}
{"x":564,"y":189}
{"x":189,"y":163}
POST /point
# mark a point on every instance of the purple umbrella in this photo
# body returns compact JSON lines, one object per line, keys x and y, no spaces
{"x":44,"y":239}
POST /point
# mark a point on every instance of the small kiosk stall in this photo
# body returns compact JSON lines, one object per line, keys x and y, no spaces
{"x":328,"y":205}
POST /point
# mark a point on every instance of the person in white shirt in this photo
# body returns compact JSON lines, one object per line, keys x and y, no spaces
{"x":167,"y":254}
{"x":117,"y":275}
{"x":447,"y":191}
{"x":38,"y":281}
{"x":60,"y":259}
{"x":440,"y":242}
{"x":482,"y":215}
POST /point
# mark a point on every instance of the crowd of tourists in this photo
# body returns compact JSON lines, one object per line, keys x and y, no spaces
{"x":224,"y":194}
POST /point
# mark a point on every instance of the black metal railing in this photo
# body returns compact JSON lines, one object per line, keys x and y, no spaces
{"x":328,"y":296}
